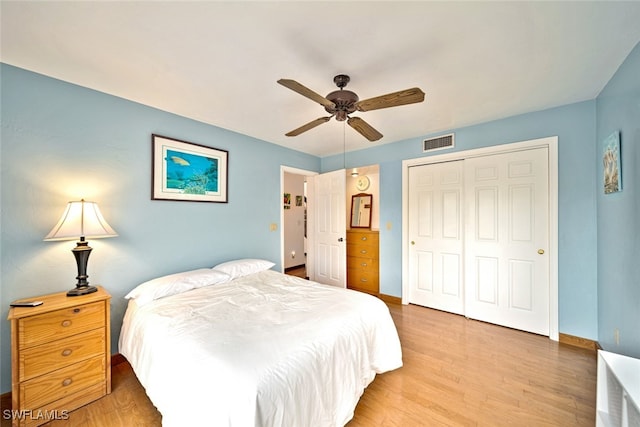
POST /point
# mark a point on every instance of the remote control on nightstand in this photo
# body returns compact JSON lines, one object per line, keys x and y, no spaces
{"x":26,"y":303}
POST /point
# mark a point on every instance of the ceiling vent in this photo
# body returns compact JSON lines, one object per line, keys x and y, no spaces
{"x":438,"y":143}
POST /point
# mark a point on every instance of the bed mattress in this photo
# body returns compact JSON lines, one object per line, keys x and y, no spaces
{"x":266,"y":349}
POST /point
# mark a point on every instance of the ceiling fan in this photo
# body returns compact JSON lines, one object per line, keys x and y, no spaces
{"x":342,"y":102}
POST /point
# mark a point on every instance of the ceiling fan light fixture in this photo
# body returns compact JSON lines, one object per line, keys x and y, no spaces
{"x":340,"y":103}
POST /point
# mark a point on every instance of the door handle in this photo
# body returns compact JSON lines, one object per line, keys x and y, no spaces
{"x":541,"y":251}
{"x":413,"y":243}
{"x":340,"y":239}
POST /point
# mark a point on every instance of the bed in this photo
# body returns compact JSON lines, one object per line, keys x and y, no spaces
{"x":243,"y":345}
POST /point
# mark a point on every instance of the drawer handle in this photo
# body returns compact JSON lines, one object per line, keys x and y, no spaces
{"x":66,"y":352}
{"x":364,"y":238}
{"x":66,"y":323}
{"x":363,"y":280}
{"x":364,"y":264}
{"x":363,"y":251}
{"x":76,"y":310}
{"x":67,"y":382}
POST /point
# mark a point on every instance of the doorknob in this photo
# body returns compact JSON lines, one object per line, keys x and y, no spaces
{"x":413,"y":243}
{"x":541,"y":251}
{"x":340,"y":239}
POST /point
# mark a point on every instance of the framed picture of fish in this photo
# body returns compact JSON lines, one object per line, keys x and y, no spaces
{"x":186,"y":171}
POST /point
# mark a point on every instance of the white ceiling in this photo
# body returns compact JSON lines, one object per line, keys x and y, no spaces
{"x":218,"y":62}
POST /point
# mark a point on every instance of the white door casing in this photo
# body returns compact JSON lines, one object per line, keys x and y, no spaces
{"x":436,"y":258}
{"x":517,"y":270}
{"x":326,"y":221}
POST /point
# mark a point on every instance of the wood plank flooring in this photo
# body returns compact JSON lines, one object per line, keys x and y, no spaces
{"x":461,"y":372}
{"x":457,"y":372}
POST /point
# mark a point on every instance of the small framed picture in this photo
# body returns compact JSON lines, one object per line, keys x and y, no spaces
{"x":186,"y":171}
{"x":612,"y":164}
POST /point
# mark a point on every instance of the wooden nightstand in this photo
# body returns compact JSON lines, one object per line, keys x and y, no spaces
{"x":60,"y":355}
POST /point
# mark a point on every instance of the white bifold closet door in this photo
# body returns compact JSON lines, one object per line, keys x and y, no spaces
{"x":479,"y":238}
{"x":436,"y":258}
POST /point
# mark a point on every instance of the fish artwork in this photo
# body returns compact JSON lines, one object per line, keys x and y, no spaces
{"x":179,"y":161}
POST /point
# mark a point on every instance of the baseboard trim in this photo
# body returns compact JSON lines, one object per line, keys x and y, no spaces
{"x":578,"y":342}
{"x":390,"y":299}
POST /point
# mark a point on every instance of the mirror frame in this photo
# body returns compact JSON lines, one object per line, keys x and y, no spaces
{"x":353,"y":200}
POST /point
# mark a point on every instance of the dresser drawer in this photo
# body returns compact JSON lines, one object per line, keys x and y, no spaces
{"x":58,"y":384}
{"x":43,"y":358}
{"x":363,"y":251}
{"x":363,"y":280}
{"x":363,"y":238}
{"x":34,"y":330}
{"x":362,"y":263}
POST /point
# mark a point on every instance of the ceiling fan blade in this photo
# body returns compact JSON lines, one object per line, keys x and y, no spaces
{"x":305,"y":91}
{"x":308,"y":126}
{"x":408,"y":96}
{"x":364,"y":128}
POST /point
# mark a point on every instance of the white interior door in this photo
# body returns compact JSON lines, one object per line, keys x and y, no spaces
{"x":436,"y":235}
{"x":507,"y":239}
{"x":326,"y":227}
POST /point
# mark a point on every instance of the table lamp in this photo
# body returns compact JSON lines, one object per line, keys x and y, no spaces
{"x":82,"y":220}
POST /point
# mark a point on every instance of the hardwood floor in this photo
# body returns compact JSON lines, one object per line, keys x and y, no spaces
{"x":460,"y":372}
{"x":300,"y":271}
{"x":457,"y":372}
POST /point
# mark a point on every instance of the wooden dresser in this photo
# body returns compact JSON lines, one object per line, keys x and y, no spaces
{"x":362,"y":260}
{"x":60,"y":355}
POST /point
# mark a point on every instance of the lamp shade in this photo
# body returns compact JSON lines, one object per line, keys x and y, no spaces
{"x":81,"y":219}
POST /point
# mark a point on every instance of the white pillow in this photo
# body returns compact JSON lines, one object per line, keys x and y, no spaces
{"x":243,"y":267}
{"x":176,"y":283}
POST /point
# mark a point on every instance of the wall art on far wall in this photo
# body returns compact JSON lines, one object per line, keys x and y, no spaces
{"x":188,"y":172}
{"x":612,"y":164}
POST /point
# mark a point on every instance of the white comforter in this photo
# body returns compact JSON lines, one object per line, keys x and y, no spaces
{"x":262,"y":350}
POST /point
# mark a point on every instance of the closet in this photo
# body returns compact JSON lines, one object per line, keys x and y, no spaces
{"x":479,"y":237}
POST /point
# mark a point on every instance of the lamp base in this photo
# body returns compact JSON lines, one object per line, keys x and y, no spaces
{"x":82,"y":290}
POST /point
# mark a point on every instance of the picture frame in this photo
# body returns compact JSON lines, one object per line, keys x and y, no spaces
{"x":185,"y":171}
{"x":612,"y":164}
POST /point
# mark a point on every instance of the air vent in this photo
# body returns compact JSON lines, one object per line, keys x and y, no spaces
{"x":438,"y":143}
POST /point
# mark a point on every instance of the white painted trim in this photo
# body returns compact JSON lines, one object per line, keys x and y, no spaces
{"x":295,"y":171}
{"x":552,"y":144}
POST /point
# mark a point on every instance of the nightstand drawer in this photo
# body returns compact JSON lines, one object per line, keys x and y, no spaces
{"x":58,"y":324}
{"x":41,"y":359}
{"x":58,"y":384}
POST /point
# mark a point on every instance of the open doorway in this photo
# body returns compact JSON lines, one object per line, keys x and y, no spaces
{"x":297,"y":234}
{"x":294,"y":220}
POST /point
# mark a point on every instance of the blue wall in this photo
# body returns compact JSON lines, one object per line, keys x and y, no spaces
{"x":575,"y":127}
{"x":618,"y":110}
{"x":62,"y":142}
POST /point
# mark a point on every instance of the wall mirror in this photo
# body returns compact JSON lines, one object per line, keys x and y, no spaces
{"x":361,"y":210}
